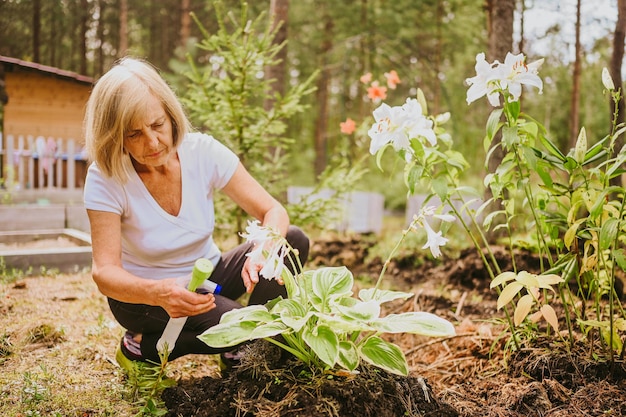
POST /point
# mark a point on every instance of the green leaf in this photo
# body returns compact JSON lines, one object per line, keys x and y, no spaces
{"x":595,"y":150}
{"x":330,"y":283}
{"x":292,"y":313}
{"x":570,"y":234}
{"x":418,"y":149}
{"x":509,"y":136}
{"x":383,"y":296}
{"x":415,"y":322}
{"x":229,"y":334}
{"x":413,"y":175}
{"x":530,"y":128}
{"x":342,"y":324}
{"x":348,"y":356}
{"x":493,"y":124}
{"x":384,"y":355}
{"x":250,"y":313}
{"x":491,"y":216}
{"x":552,"y":148}
{"x":324,"y":343}
{"x":570,"y":163}
{"x":379,"y":156}
{"x":608,"y":233}
{"x":440,"y":187}
{"x":268,"y":330}
{"x":620,"y":258}
{"x":362,"y":311}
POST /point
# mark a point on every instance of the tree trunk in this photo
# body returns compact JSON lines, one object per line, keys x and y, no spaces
{"x":437,"y":61}
{"x":123,"y":45}
{"x":84,"y":16}
{"x":36,"y":30}
{"x":185,"y":22}
{"x":500,"y":31}
{"x":279,"y":12}
{"x":616,"y":74}
{"x":321,"y":126}
{"x":54,"y":22}
{"x":575,"y":103}
{"x":522,"y":40}
{"x":99,"y":64}
{"x":365,"y":53}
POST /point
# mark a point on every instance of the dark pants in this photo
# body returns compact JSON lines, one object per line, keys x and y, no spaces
{"x":151,"y":320}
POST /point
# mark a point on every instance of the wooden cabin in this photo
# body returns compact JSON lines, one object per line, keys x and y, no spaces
{"x":41,"y":102}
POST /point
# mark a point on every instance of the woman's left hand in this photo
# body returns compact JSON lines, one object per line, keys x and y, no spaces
{"x":250,"y":273}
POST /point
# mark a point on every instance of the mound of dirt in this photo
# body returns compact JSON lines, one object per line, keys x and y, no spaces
{"x":266,"y":383}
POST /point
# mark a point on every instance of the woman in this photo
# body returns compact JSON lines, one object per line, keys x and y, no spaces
{"x":149,"y":197}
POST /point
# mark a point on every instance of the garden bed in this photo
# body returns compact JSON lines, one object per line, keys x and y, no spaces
{"x":66,"y":250}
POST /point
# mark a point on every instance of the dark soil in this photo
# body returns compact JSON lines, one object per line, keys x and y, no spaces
{"x":475,"y":373}
{"x":265,"y":384}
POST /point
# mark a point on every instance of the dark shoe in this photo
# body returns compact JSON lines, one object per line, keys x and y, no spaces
{"x":128,"y":354}
{"x":130,"y":347}
{"x":140,"y":372}
{"x":229,"y":360}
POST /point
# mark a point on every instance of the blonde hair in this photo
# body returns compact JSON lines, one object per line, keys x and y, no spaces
{"x":118,"y":98}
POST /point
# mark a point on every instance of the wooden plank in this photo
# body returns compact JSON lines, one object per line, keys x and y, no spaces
{"x":32,"y":217}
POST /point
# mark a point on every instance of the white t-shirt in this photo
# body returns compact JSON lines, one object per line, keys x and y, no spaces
{"x":155,"y":244}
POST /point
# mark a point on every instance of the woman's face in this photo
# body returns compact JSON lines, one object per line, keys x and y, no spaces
{"x":149,"y":138}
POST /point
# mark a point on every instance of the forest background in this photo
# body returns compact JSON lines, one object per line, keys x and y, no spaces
{"x":431,"y":44}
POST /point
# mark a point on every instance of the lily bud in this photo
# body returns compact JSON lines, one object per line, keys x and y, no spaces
{"x":607,"y":80}
{"x":581,"y":146}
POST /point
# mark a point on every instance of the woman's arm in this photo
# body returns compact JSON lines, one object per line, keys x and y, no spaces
{"x":244,"y":190}
{"x":115,"y":282}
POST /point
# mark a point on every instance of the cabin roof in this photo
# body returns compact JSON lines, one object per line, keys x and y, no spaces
{"x":72,"y":76}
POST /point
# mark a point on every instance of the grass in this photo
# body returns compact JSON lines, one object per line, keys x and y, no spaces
{"x":57,"y":348}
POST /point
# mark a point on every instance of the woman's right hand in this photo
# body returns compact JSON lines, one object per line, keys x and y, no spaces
{"x":178,"y":301}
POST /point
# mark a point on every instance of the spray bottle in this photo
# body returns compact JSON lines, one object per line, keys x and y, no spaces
{"x":202,"y":269}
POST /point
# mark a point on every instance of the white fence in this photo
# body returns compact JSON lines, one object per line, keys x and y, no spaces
{"x":42,"y":163}
{"x":360,"y":211}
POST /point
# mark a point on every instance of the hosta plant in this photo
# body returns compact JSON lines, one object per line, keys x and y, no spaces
{"x":321,"y":322}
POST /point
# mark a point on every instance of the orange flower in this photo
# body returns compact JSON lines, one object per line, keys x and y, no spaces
{"x":366,"y":78}
{"x":348,"y":127}
{"x":376,"y":92}
{"x":392,"y":79}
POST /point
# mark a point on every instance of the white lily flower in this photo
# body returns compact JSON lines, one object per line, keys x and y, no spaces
{"x":434,"y":241}
{"x":416,"y":123}
{"x":516,"y":72}
{"x":388,"y":128}
{"x":274,"y":263}
{"x":262,"y":237}
{"x":398,"y":125}
{"x":483,"y":83}
{"x":492,"y":79}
